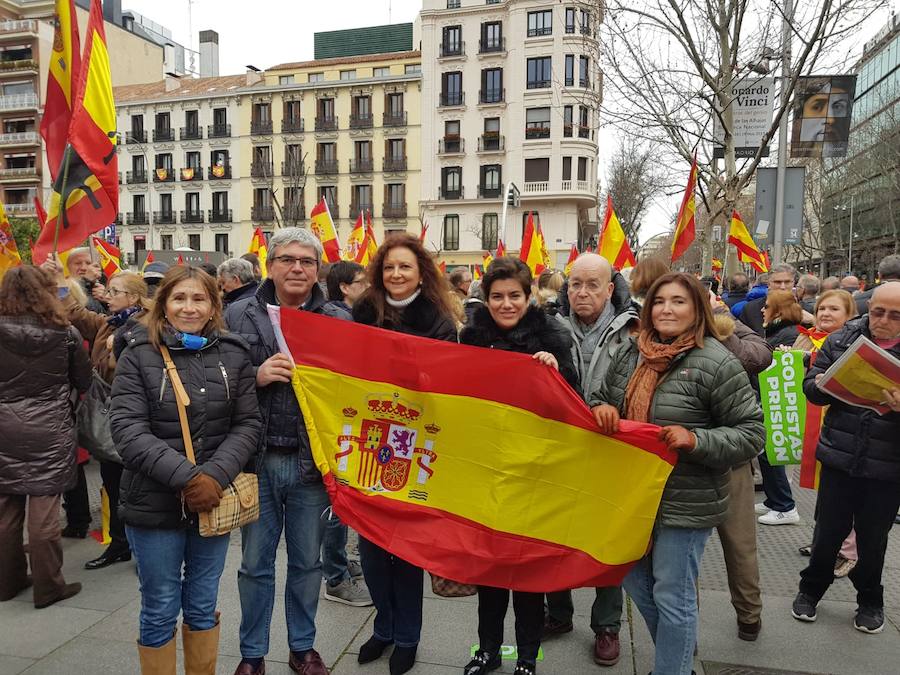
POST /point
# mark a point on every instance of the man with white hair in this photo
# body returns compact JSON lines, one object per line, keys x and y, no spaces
{"x":236,"y":280}
{"x":292,"y":497}
{"x":601,"y":317}
{"x":78,"y":265}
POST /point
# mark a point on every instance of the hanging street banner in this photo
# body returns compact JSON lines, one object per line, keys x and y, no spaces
{"x":823,"y":107}
{"x":752,"y":106}
{"x":784,"y":407}
{"x":479,"y":465}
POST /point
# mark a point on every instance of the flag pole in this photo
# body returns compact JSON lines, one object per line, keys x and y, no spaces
{"x":67,"y":158}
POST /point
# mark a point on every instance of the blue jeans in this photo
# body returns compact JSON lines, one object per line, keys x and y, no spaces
{"x":396,"y":589}
{"x":165,"y":592}
{"x":776,"y":486}
{"x":334,"y":552}
{"x":284,"y":504}
{"x":664,"y":587}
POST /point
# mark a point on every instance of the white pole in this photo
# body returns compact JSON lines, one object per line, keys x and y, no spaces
{"x":503,"y":216}
{"x":850,"y":246}
{"x":778,"y":234}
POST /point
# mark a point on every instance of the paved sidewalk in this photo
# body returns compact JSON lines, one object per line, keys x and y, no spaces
{"x":95,"y":631}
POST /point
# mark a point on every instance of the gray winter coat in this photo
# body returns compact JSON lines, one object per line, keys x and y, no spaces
{"x":706,"y":391}
{"x":40,"y":366}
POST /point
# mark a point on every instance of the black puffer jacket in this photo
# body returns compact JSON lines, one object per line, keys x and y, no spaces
{"x":283,"y":423}
{"x":223,"y":417}
{"x":854,"y":440}
{"x":536,"y":332}
{"x":781,"y":334}
{"x":419,"y":318}
{"x":39,"y":367}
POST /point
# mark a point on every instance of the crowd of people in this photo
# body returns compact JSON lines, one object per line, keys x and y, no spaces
{"x":660,"y":346}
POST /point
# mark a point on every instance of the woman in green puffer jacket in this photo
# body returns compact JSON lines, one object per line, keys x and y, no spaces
{"x":677,"y":375}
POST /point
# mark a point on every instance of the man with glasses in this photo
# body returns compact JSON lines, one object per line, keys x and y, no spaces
{"x":859,"y":485}
{"x":601,"y":318}
{"x":291,"y":494}
{"x":346,"y":282}
{"x":781,"y":278}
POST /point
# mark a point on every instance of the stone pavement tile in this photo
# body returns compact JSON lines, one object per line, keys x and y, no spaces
{"x":830,"y":645}
{"x":13,"y":665}
{"x":33,"y":633}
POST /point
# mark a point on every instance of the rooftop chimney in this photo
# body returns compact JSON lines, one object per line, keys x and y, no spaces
{"x":209,"y":53}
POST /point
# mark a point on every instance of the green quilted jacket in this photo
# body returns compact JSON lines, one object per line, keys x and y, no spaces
{"x":707,"y":391}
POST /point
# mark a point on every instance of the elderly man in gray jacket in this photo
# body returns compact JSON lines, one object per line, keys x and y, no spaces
{"x":602,"y":316}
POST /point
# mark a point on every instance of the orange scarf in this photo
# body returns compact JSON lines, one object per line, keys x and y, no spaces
{"x":657,"y":359}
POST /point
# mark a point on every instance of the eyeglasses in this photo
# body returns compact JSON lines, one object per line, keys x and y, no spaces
{"x":879,"y":313}
{"x":115,"y":292}
{"x":290,"y":261}
{"x":361,"y":280}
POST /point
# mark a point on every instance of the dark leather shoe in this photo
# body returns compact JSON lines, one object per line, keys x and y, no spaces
{"x":110,"y":556}
{"x":749,"y":631}
{"x":309,"y":664}
{"x":606,"y":648}
{"x":372,"y":650}
{"x":74,"y":532}
{"x":553,"y":627}
{"x":68,"y":591}
{"x":247,"y":669}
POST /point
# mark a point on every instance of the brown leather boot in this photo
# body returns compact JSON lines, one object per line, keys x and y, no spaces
{"x":158,"y":660}
{"x":201,"y":649}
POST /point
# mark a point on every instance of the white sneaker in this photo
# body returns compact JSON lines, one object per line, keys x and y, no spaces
{"x":761,"y":509}
{"x":780,"y":518}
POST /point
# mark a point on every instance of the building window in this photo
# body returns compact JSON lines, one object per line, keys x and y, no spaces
{"x":538,"y":72}
{"x":412,"y":68}
{"x":452,"y":141}
{"x":329,"y":194}
{"x":537,"y":170}
{"x":452,"y":4}
{"x":490,"y":229}
{"x":191,"y":124}
{"x":192,"y":202}
{"x":140,"y":243}
{"x":537,"y":123}
{"x":584,"y":78}
{"x":451,"y":89}
{"x":490,"y":186}
{"x":220,"y":203}
{"x":381,"y":72}
{"x":540,"y":23}
{"x":567,"y":121}
{"x":535,"y":215}
{"x":490,"y":139}
{"x":451,"y":182}
{"x":396,"y":195}
{"x":584,"y":127}
{"x":315,"y":77}
{"x":138,"y":204}
{"x":451,"y":232}
{"x":222,"y":242}
{"x":165,"y":242}
{"x":285,"y":79}
{"x":570,"y":20}
{"x":491,"y":37}
{"x":492,"y":85}
{"x":585,"y":16}
{"x":567,"y":168}
{"x":451,"y":41}
{"x":570,"y":70}
{"x":194,"y":241}
{"x":348,"y":74}
{"x":582,"y":168}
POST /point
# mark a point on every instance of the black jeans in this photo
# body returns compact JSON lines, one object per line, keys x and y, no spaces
{"x":396,"y":589}
{"x":776,"y":486}
{"x":606,"y":611}
{"x":846,"y":502}
{"x":76,"y":504}
{"x":111,"y":473}
{"x":529,"y":610}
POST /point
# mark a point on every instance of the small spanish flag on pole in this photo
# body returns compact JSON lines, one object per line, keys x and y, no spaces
{"x":685,"y":223}
{"x":9,"y":252}
{"x":323,"y":226}
{"x":260,"y":248}
{"x":747,"y":249}
{"x":613,"y":246}
{"x":573,"y":256}
{"x":356,"y":239}
{"x":530,"y":253}
{"x":110,"y":256}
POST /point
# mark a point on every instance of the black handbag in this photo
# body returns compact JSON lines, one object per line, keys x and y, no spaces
{"x":92,"y":418}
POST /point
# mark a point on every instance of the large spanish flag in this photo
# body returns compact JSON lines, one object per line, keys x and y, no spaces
{"x":747,"y":249}
{"x":323,"y":226}
{"x":356,"y":239}
{"x":259,"y":246}
{"x":613,"y":245}
{"x":9,"y":251}
{"x":685,"y":223}
{"x":479,"y":465}
{"x":532,"y":245}
{"x":64,"y":66}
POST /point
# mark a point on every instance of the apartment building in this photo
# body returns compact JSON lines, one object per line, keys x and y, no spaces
{"x":509,"y":93}
{"x":182,"y":161}
{"x":26,"y":40}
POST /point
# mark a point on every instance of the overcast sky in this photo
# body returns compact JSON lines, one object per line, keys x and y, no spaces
{"x":264,"y":33}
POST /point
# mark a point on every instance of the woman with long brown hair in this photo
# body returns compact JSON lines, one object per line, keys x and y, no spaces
{"x":42,"y":360}
{"x":677,"y":375}
{"x":162,"y":490}
{"x":408,"y":294}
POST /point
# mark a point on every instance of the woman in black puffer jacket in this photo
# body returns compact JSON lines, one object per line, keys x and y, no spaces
{"x":161,"y":490}
{"x":42,"y":360}
{"x":509,"y":322}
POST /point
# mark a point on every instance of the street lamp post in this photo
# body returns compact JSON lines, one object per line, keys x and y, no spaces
{"x":843,"y":207}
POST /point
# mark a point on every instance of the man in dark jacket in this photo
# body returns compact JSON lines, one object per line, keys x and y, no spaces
{"x":781,"y":278}
{"x":236,"y":281}
{"x":78,"y":264}
{"x":888,"y":270}
{"x":859,"y":485}
{"x":736,"y":289}
{"x":291,"y":494}
{"x":601,"y":318}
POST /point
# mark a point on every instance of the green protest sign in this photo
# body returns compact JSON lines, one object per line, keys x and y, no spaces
{"x":784,"y":407}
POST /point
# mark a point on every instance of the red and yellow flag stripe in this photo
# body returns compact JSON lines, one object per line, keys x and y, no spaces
{"x":478,"y":465}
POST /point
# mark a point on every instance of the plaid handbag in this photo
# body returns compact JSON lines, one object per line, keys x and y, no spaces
{"x":239,"y":505}
{"x":447,"y":588}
